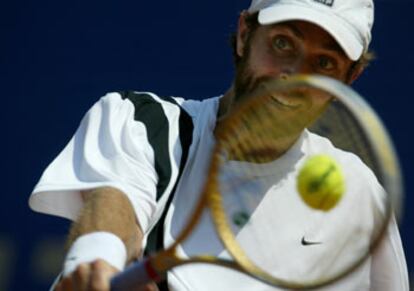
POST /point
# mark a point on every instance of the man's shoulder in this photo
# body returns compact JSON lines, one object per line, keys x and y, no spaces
{"x":142,"y":99}
{"x":139,"y":98}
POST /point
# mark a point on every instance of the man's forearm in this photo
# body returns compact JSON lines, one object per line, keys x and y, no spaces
{"x":109,"y":210}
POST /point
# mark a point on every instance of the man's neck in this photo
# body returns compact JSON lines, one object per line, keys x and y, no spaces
{"x":226,"y":103}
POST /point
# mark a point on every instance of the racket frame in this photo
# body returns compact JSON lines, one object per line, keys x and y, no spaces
{"x":384,"y":153}
{"x":211,"y":198}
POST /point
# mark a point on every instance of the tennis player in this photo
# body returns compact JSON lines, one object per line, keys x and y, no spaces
{"x":131,"y":173}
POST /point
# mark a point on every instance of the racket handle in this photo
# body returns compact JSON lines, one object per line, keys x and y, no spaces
{"x":134,"y":276}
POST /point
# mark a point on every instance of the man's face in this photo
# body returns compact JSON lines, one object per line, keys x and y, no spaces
{"x":280,"y":50}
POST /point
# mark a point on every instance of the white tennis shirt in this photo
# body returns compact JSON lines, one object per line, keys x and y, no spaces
{"x":150,"y":147}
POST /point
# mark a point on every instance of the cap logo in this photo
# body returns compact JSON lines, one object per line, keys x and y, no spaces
{"x":326,"y":2}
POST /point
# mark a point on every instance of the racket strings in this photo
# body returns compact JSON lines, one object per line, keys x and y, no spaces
{"x":258,"y":135}
{"x":340,"y":127}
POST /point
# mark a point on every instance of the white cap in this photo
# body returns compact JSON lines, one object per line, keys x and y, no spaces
{"x":348,"y":21}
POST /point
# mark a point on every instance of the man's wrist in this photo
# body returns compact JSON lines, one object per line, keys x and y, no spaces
{"x":96,"y":245}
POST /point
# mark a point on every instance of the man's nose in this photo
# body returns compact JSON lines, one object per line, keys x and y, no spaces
{"x":299,"y":66}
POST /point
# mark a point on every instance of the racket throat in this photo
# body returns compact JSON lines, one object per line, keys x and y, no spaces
{"x":158,"y":266}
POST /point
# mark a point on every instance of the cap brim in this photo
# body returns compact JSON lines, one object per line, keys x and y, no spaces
{"x":331,"y":23}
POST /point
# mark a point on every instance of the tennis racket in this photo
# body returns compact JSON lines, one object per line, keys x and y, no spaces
{"x":260,"y":146}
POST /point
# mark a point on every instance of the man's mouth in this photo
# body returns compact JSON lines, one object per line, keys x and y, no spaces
{"x":288,"y":102}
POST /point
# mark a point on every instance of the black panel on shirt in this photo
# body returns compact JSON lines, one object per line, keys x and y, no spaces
{"x":155,"y":239}
{"x":156,"y":236}
{"x":150,"y":112}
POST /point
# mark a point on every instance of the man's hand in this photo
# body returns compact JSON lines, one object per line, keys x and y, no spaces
{"x":94,"y":276}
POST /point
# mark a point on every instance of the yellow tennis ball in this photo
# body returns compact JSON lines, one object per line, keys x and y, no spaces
{"x":320,"y":182}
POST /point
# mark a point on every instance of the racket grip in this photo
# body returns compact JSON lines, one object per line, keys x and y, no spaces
{"x":134,"y":276}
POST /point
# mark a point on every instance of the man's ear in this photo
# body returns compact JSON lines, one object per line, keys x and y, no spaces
{"x":356,"y":72}
{"x":242,"y":32}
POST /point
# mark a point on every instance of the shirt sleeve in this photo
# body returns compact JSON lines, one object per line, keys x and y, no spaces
{"x":111,"y":148}
{"x":389,"y":267}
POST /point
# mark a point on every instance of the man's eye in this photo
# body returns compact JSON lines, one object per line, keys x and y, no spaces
{"x":282,"y":43}
{"x":326,"y":63}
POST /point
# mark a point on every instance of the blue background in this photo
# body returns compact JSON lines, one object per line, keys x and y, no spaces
{"x":58,"y":57}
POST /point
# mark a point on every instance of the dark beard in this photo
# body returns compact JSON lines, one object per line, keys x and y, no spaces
{"x":245,"y":83}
